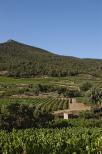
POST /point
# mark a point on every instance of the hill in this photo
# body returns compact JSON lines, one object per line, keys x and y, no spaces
{"x":21,"y":60}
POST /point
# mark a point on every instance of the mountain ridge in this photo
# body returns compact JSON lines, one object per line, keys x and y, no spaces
{"x":23,"y":60}
{"x":17,"y":42}
{"x":21,"y":43}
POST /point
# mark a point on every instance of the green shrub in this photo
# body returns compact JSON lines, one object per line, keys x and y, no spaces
{"x":86,"y":86}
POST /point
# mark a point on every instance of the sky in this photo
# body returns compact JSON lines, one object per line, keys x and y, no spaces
{"x":65,"y":27}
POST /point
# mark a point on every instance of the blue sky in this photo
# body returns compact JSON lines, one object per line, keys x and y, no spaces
{"x":68,"y":27}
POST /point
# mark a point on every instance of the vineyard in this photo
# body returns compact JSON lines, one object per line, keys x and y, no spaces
{"x":52,"y":141}
{"x":27,"y":125}
{"x":43,"y":104}
{"x":52,"y":104}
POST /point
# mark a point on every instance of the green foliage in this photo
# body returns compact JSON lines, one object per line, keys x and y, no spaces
{"x":45,"y":88}
{"x":62,"y":90}
{"x":85,"y":120}
{"x":86,"y":86}
{"x":51,"y":141}
{"x":72,"y":92}
{"x":22,"y":117}
{"x":84,"y":99}
{"x":60,"y":124}
{"x":87,"y":115}
{"x":96,"y":95}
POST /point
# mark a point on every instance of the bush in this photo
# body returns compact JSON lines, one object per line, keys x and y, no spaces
{"x":87,"y":115}
{"x":96,"y":95}
{"x":23,"y":116}
{"x":59,"y":124}
{"x":72,"y":93}
{"x":86,"y":86}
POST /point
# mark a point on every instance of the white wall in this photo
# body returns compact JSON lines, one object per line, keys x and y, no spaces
{"x":65,"y":116}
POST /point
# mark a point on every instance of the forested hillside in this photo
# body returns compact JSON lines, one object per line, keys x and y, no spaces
{"x":22,"y":60}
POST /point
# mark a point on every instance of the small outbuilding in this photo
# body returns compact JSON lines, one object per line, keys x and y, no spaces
{"x":72,"y":111}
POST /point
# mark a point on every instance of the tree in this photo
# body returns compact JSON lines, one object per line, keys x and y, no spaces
{"x":74,"y":92}
{"x":96,"y":95}
{"x":22,"y":116}
{"x":86,"y":86}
